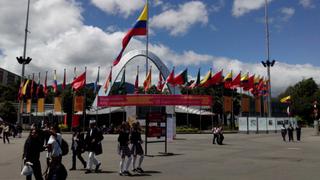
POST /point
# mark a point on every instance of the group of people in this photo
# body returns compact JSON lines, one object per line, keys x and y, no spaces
{"x":289,"y":131}
{"x":217,"y":135}
{"x":39,"y":140}
{"x":8,"y":130}
{"x":50,"y":139}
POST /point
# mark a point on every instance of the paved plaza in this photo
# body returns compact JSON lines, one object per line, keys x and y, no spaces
{"x":244,"y":157}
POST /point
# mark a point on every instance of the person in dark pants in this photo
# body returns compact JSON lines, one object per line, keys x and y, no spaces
{"x":77,"y":147}
{"x":298,"y":132}
{"x":6,"y":131}
{"x":123,"y":149}
{"x":31,"y":153}
{"x":94,"y":146}
{"x":136,"y":148}
{"x":290,"y":132}
{"x":215,"y":134}
{"x":283,"y":132}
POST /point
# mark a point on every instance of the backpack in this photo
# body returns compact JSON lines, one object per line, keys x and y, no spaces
{"x":64,"y":147}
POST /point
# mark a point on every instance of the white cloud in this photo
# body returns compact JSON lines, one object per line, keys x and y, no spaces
{"x":241,"y":7}
{"x":287,"y":13}
{"x":217,"y":6}
{"x":179,"y":21}
{"x":122,"y":7}
{"x":307,"y":3}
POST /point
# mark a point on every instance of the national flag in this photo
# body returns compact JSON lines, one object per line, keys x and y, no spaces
{"x":206,"y":78}
{"x":25,"y":87}
{"x":196,"y":83}
{"x":286,"y":99}
{"x":236,"y":82}
{"x":139,"y":29}
{"x":54,"y":82}
{"x":95,"y":89}
{"x":215,"y":79}
{"x":160,"y":84}
{"x":249,"y":85}
{"x":64,"y":80}
{"x":32,"y":86}
{"x":108,"y":81}
{"x":38,"y":87}
{"x":79,"y":82}
{"x":45,"y":87}
{"x":136,"y":83}
{"x":181,"y":78}
{"x":228,"y":80}
{"x":20,"y":90}
{"x":264,"y":89}
{"x":244,"y":80}
{"x":256,"y":87}
{"x":170,"y":78}
{"x":147,"y":81}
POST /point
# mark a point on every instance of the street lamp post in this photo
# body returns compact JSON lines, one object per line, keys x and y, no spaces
{"x":268,"y":63}
{"x":23,"y":60}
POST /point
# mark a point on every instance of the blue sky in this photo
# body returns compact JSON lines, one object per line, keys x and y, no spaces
{"x":295,"y":40}
{"x":218,"y":34}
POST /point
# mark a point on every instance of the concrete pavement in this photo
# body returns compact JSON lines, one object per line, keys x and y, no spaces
{"x":243,"y":157}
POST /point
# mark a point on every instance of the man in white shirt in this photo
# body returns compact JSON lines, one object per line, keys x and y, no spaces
{"x":54,"y":142}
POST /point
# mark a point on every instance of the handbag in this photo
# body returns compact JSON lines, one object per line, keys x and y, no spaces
{"x":27,"y":169}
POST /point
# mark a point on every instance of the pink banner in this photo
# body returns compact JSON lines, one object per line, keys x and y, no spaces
{"x":154,"y":100}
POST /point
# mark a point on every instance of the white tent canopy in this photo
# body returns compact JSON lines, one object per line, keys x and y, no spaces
{"x":198,"y":110}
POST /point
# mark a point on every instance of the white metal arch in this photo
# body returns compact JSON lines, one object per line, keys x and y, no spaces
{"x":126,"y":59}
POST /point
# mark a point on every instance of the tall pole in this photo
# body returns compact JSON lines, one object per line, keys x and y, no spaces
{"x":24,"y":62}
{"x":84,"y":100}
{"x":147,"y":37}
{"x":268,"y":56}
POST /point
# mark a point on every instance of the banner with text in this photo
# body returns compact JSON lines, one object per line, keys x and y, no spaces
{"x":154,"y":100}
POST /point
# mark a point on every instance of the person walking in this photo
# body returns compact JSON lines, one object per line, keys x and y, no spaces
{"x":298,"y":131}
{"x":283,"y":132}
{"x":123,"y":149}
{"x":215,"y":134}
{"x":136,"y":148}
{"x":93,"y":142}
{"x":31,"y":153}
{"x":290,"y":132}
{"x":56,"y":170}
{"x":77,"y":147}
{"x":6,"y":131}
{"x":220,"y":136}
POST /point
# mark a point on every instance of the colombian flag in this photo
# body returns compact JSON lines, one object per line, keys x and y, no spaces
{"x":54,"y":82}
{"x":139,"y":29}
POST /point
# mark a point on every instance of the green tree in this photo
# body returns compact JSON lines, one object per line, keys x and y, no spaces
{"x":8,"y":112}
{"x":303,"y":95}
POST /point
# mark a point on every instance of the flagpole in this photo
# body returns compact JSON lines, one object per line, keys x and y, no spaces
{"x":232,"y":120}
{"x":45,"y":94}
{"x":37,"y":96}
{"x":54,"y":90}
{"x":97,"y":92}
{"x":188,"y":107}
{"x":147,"y":37}
{"x":84,"y":101}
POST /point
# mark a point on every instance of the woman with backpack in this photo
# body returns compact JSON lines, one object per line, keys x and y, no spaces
{"x":56,"y":147}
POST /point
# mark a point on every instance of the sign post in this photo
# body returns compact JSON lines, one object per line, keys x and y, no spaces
{"x":155,"y":128}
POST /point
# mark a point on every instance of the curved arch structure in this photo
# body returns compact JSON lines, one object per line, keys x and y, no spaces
{"x":126,"y":59}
